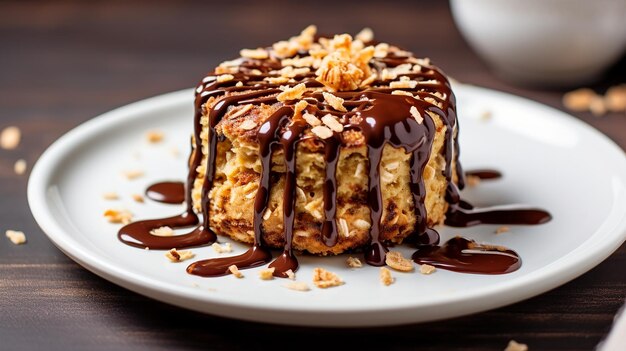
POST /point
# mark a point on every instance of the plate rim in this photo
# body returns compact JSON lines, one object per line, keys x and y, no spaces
{"x":517,"y":290}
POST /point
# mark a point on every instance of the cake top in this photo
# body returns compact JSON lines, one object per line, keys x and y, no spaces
{"x":332,"y":85}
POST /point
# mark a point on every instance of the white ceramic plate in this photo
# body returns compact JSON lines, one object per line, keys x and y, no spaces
{"x":548,"y":158}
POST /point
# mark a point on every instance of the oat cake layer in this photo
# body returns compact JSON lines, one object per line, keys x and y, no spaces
{"x":321,"y":97}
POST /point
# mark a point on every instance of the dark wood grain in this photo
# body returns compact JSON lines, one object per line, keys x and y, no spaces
{"x":62,"y":63}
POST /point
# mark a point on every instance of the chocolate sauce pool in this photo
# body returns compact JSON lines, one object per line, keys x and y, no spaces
{"x":167,"y":192}
{"x":382,"y":119}
{"x":463,"y":255}
{"x":484,"y":174}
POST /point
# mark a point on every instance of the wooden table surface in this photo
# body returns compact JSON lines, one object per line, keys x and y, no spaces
{"x":62,"y":63}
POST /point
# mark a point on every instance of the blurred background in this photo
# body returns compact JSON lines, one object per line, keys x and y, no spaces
{"x":64,"y":62}
{"x":76,"y":59}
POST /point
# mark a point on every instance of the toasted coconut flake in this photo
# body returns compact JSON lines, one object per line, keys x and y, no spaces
{"x":239,"y":84}
{"x":311,"y":119}
{"x":403,"y":84}
{"x":17,"y":237}
{"x":334,"y":101}
{"x":339,"y":73}
{"x":133,"y":174}
{"x":267,"y":274}
{"x":502,"y":229}
{"x":258,"y":54}
{"x":291,"y":72}
{"x":179,"y":256}
{"x":472,"y":180}
{"x":427,"y":269}
{"x":138,"y":198}
{"x":276,"y":80}
{"x":381,"y":50}
{"x":240,"y":111}
{"x":515,"y":346}
{"x":267,"y":214}
{"x":111,"y":195}
{"x":401,"y":92}
{"x":362,"y":224}
{"x":222,"y":248}
{"x":118,"y":216}
{"x":298,"y":286}
{"x":344,"y":230}
{"x":284,"y":48}
{"x":388,"y":74}
{"x":365,"y":35}
{"x":154,"y":136}
{"x":354,"y":262}
{"x":292,"y":93}
{"x":299,"y":107}
{"x":359,"y":170}
{"x":486,"y":115}
{"x":300,"y":62}
{"x":248,"y":124}
{"x":325,"y":279}
{"x":162,"y":231}
{"x":174,"y":151}
{"x":385,"y":276}
{"x":597,"y":106}
{"x":20,"y":167}
{"x":300,"y":194}
{"x":10,"y":138}
{"x":387,"y":177}
{"x":405,"y":68}
{"x":368,"y":81}
{"x":431,"y":81}
{"x":395,"y":260}
{"x":615,"y":98}
{"x":579,"y":99}
{"x":322,"y":132}
{"x":415,"y":113}
{"x":331,"y":122}
{"x":392,"y":166}
{"x":225,"y":78}
{"x":235,"y":271}
{"x":290,"y":274}
{"x":423,"y":61}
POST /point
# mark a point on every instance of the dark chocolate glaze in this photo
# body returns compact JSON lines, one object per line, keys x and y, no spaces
{"x":462,"y":255}
{"x":167,"y":192}
{"x":381,"y":117}
{"x":484,"y":174}
{"x":463,"y":214}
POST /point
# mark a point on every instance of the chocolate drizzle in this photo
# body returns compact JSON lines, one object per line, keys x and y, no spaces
{"x":139,"y":234}
{"x":381,"y":117}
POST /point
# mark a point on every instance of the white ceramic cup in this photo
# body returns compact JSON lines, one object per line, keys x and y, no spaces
{"x":544,"y":42}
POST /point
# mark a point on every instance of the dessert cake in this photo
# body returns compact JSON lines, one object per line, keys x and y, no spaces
{"x":325,"y":145}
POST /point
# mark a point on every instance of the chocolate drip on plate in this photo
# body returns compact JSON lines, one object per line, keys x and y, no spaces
{"x":167,"y":192}
{"x":464,"y":214}
{"x":215,"y":267}
{"x":484,"y":174}
{"x":463,"y":255}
